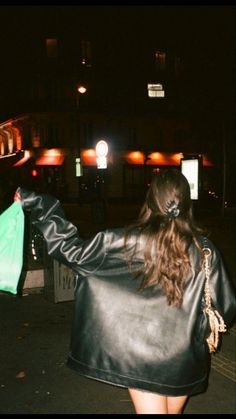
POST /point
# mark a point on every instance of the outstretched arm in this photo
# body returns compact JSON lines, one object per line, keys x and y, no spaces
{"x":62,"y":237}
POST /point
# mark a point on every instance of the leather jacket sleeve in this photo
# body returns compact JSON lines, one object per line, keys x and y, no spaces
{"x":223,"y":294}
{"x":61,"y":236}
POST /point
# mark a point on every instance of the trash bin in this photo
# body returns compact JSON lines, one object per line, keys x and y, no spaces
{"x":42,"y":273}
{"x":59,"y":281}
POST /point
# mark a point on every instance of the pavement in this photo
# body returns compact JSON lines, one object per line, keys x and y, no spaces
{"x":35,"y":337}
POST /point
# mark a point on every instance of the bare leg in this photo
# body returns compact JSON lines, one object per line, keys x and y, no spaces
{"x":175,"y":404}
{"x":149,"y":403}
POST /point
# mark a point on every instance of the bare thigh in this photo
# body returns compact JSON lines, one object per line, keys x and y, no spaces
{"x":150,"y":403}
{"x":176,"y":404}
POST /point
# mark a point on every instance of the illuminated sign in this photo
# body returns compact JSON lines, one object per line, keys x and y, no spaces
{"x":101,"y":153}
{"x":190,"y":169}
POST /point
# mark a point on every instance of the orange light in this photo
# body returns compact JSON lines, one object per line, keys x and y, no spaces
{"x":155,"y":155}
{"x":88,"y":157}
{"x":50,"y":161}
{"x":206,"y":162}
{"x":164,"y":159}
{"x":27,"y":155}
{"x":34,"y":173}
{"x":153,"y":158}
{"x":134,"y":157}
{"x":177,"y":157}
{"x":51,"y":157}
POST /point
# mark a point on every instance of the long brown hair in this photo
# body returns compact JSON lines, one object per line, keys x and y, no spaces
{"x":167,"y":227}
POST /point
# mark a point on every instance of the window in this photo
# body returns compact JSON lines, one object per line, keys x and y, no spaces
{"x":51,"y":45}
{"x":155,"y":90}
{"x":160,"y":60}
{"x":86,"y":53}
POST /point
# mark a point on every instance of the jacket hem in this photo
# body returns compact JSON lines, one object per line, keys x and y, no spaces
{"x":118,"y":380}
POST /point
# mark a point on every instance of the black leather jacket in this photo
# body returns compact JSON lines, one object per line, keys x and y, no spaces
{"x":123,"y":336}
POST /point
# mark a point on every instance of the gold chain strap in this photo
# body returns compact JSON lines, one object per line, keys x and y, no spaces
{"x":216,"y":321}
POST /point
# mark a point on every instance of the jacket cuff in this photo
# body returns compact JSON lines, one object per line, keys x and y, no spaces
{"x":40,"y":205}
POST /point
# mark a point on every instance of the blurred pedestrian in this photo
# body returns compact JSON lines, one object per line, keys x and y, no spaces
{"x":139,"y":319}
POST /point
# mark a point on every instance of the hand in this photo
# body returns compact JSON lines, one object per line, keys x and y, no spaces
{"x":17,"y":196}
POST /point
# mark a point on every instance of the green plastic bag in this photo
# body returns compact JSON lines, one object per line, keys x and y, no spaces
{"x":11,"y":247}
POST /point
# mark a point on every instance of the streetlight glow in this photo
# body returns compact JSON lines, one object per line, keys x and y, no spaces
{"x":101,"y":152}
{"x":101,"y":148}
{"x":82,"y":89}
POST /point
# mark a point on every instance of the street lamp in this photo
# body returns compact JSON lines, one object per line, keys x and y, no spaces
{"x":82,"y":89}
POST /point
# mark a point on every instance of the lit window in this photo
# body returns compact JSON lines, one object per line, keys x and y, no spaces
{"x":51,"y":45}
{"x":160,"y":60}
{"x":86,"y":53}
{"x":155,"y":90}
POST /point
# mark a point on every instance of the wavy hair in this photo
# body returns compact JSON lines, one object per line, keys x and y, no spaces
{"x":166,"y":224}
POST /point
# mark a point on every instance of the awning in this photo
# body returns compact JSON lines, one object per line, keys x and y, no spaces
{"x":50,"y":161}
{"x":27,"y":155}
{"x":159,"y":158}
{"x":50,"y":157}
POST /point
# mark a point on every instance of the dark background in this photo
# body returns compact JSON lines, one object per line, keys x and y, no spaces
{"x":124,"y":39}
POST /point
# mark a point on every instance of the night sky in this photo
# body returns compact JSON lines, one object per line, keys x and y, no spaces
{"x":124,"y":39}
